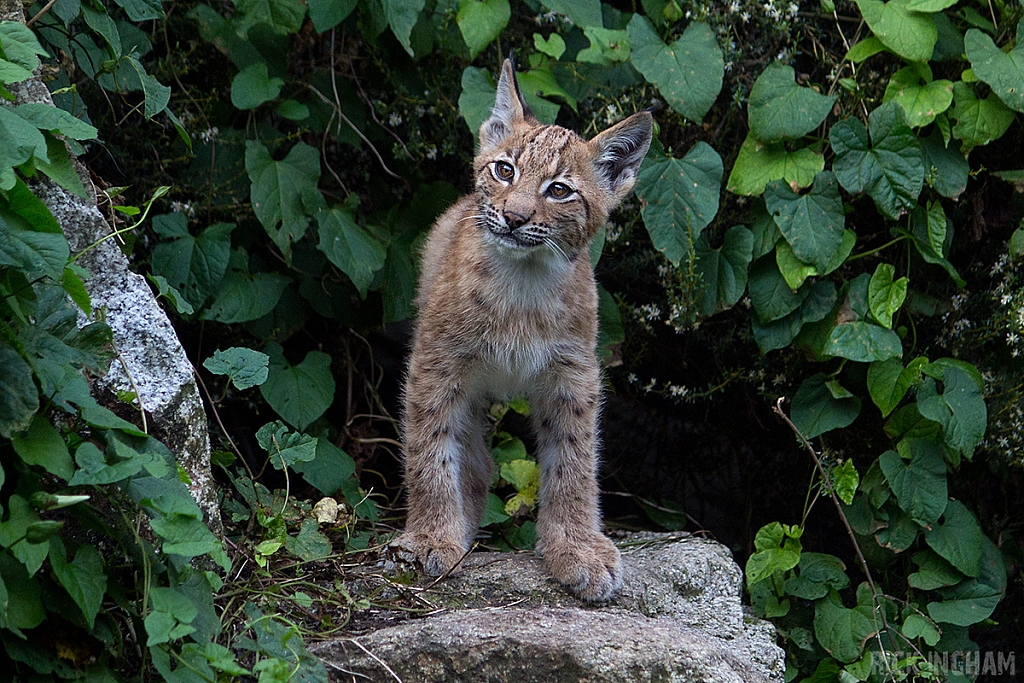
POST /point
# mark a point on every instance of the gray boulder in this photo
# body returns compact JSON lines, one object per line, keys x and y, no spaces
{"x":677,"y":618}
{"x":151,"y":360}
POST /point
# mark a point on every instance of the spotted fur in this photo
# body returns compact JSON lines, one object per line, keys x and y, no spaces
{"x":508,"y":306}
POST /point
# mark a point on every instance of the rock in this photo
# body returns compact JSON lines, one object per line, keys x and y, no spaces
{"x":151,"y":361}
{"x":678,"y":617}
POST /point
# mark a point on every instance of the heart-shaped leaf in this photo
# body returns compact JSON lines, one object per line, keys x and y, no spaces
{"x":688,"y":73}
{"x":780,"y":109}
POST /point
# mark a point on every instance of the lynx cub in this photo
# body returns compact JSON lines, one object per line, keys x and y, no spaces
{"x":508,"y":306}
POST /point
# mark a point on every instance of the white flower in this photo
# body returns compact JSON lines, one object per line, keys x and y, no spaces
{"x":395,"y":120}
{"x":745,"y":16}
{"x":209,"y":135}
{"x":432,"y":152}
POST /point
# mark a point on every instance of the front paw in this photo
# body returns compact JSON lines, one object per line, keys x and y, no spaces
{"x":591,"y":569}
{"x":434,"y":555}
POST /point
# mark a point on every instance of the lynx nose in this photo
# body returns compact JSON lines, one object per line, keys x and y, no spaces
{"x":513,"y":220}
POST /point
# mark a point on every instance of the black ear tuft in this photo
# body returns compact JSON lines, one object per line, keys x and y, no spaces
{"x":619,"y":151}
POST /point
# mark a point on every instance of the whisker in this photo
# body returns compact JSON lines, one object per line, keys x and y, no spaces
{"x":555,"y":248}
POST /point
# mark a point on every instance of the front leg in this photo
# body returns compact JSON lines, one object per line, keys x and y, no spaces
{"x":438,"y":531}
{"x":569,"y":535}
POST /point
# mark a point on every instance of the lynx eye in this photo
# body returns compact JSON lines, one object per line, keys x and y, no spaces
{"x":559,"y":190}
{"x":504,"y":170}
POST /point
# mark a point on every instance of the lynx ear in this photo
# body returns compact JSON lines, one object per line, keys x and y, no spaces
{"x":509,"y":107}
{"x":618,"y":153}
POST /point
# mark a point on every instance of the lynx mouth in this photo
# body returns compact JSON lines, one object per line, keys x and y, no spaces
{"x":514,"y":238}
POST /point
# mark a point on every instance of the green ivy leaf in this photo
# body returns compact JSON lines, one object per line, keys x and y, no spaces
{"x":931,"y":235}
{"x":553,"y":46}
{"x":23,"y":142}
{"x":481,"y":21}
{"x":888,"y":167}
{"x":869,"y":47}
{"x":770,"y":294}
{"x":284,"y":15}
{"x":539,"y":83}
{"x":326,"y":14}
{"x":796,"y":271}
{"x":793,"y":269}
{"x":24,"y":609}
{"x":909,"y":34}
{"x":329,"y":470}
{"x":171,"y":616}
{"x":83,"y":578}
{"x":157,"y":94}
{"x":900,"y":530}
{"x":945,"y":167}
{"x":402,"y":16}
{"x":958,"y":539}
{"x":524,"y":475}
{"x":245,"y":367}
{"x":723,"y":271}
{"x":688,"y":74}
{"x":960,"y":409}
{"x":19,"y":397}
{"x":863,"y":342}
{"x":494,"y":513}
{"x":350,"y":247}
{"x":43,"y":445}
{"x":242,"y":297}
{"x":20,"y":46}
{"x":299,"y":393}
{"x":59,"y":167}
{"x":194,"y":266}
{"x":223,"y":659}
{"x":780,"y":109}
{"x":141,"y":10}
{"x":758,"y":163}
{"x":817,"y":573}
{"x":921,"y":98}
{"x":284,"y":192}
{"x":842,"y":631}
{"x":27,"y":242}
{"x":920,"y":485}
{"x":845,"y":480}
{"x":817,"y":410}
{"x":607,"y":46}
{"x":978,"y":121}
{"x":309,"y":544}
{"x":967,"y":603}
{"x":1003,"y":71}
{"x":888,"y":381}
{"x":811,"y":223}
{"x":16,"y":534}
{"x":55,"y":120}
{"x":930,"y":6}
{"x":252,"y":86}
{"x":885,"y":295}
{"x":778,"y":549}
{"x":933,"y":572}
{"x":582,"y":12}
{"x":679,"y":197}
{"x":284,"y":446}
